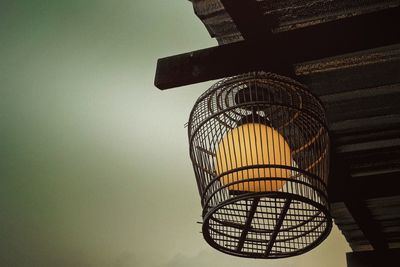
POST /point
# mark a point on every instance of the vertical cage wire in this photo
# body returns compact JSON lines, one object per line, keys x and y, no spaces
{"x":260,"y":152}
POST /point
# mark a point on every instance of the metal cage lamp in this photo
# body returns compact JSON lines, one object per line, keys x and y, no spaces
{"x":260,"y":152}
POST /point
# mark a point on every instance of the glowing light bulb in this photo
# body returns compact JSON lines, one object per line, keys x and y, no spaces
{"x":248,"y":145}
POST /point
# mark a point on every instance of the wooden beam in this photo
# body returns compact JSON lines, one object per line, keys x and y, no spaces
{"x":249,"y":19}
{"x":343,"y":187}
{"x":368,"y":135}
{"x":338,"y":185}
{"x":361,"y":125}
{"x":284,"y":49}
{"x":367,"y":146}
{"x":374,"y":186}
{"x":353,"y":191}
{"x":364,"y":103}
{"x":363,"y":175}
{"x":363,"y":218}
{"x":388,"y":258}
{"x":208,"y":64}
{"x":352,"y":78}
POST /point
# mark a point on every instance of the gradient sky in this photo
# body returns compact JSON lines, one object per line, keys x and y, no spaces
{"x":94,"y":164}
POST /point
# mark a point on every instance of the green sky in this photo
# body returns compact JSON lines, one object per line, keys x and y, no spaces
{"x":93,"y":158}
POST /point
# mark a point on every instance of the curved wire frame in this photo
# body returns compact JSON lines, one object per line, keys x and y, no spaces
{"x":261,"y":208}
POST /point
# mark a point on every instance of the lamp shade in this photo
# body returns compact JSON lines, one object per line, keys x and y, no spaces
{"x":260,"y":153}
{"x":248,"y":145}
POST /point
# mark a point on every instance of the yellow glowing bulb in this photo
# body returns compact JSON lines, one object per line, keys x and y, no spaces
{"x":248,"y":145}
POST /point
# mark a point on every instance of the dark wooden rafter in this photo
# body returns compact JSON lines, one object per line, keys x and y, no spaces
{"x":370,"y":228}
{"x":376,"y":186}
{"x":354,"y":78}
{"x":282,"y":50}
{"x":369,"y":145}
{"x":387,"y":258}
{"x":367,"y":187}
{"x":361,"y":215}
{"x":348,"y":114}
{"x":365,"y":163}
{"x":248,"y":18}
{"x":353,"y":191}
{"x":364,"y":174}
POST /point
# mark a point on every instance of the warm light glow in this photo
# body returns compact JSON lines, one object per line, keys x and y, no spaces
{"x":253,"y":144}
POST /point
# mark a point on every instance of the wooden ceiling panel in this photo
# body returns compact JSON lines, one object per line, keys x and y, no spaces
{"x":289,"y":14}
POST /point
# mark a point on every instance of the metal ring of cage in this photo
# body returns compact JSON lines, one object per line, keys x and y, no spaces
{"x":260,"y":152}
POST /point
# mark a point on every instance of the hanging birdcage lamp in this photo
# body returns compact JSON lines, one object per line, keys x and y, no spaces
{"x":259,"y":147}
